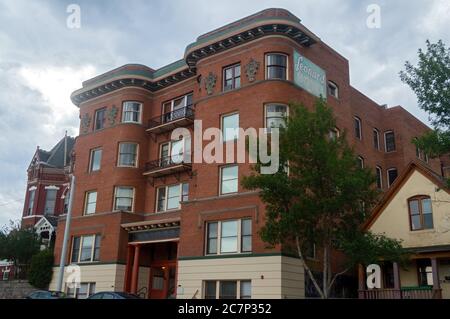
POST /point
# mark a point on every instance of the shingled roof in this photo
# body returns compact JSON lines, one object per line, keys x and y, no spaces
{"x":55,"y":157}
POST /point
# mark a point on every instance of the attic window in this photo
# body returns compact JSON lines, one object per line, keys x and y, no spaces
{"x":420,"y":213}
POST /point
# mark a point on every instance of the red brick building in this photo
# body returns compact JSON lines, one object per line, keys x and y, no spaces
{"x":145,"y":223}
{"x":47,"y":188}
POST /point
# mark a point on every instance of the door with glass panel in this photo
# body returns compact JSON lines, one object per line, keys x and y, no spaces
{"x":162,"y":281}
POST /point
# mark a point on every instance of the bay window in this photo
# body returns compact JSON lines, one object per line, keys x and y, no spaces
{"x":131,"y":112}
{"x":230,"y":127}
{"x":128,"y":154}
{"x":276,"y":66}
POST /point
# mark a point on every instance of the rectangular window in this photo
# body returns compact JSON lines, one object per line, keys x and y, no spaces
{"x":379,"y":175}
{"x":276,"y":66}
{"x":177,"y":108}
{"x":85,"y":248}
{"x":50,"y":200}
{"x":123,"y":199}
{"x":425,"y":272}
{"x":358,"y":128}
{"x":100,"y":118}
{"x":334,"y":134}
{"x":232,"y":77}
{"x":333,"y":89}
{"x":66,"y":202}
{"x":229,"y":179}
{"x":131,"y":112}
{"x":90,"y":202}
{"x":128,"y":154}
{"x":421,"y":213}
{"x":389,"y":141}
{"x":170,"y":197}
{"x":229,"y":237}
{"x":376,"y":139}
{"x":227,"y":289}
{"x":391,"y":176}
{"x":82,"y":291}
{"x":230,"y":127}
{"x":210,"y":289}
{"x":172,"y":153}
{"x":31,"y":201}
{"x":95,"y":160}
{"x":275,"y":116}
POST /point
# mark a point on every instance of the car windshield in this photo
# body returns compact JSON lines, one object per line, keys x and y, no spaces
{"x":127,"y":296}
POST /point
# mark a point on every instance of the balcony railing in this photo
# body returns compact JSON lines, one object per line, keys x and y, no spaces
{"x":168,"y":165}
{"x":404,"y":293}
{"x":171,"y":120}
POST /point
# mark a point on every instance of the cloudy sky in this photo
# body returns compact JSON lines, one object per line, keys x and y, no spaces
{"x":42,"y":60}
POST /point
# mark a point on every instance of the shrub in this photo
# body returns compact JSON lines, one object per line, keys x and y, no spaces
{"x":41,"y":269}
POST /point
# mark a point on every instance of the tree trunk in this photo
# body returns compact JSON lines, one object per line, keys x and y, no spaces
{"x":308,"y":271}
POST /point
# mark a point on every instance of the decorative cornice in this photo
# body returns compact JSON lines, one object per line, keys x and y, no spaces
{"x":265,"y":23}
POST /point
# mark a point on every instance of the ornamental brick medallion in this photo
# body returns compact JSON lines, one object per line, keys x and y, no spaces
{"x":112,"y":115}
{"x":85,"y":123}
{"x":251,"y":69}
{"x":210,"y":83}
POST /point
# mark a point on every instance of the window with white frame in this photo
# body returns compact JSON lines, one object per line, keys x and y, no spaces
{"x":276,"y":66}
{"x":376,"y":139}
{"x":333,"y":89}
{"x":358,"y":128}
{"x":232,"y":77}
{"x":95,"y":160}
{"x":123,"y":198}
{"x":128,"y":153}
{"x":227,"y":289}
{"x":170,"y":197}
{"x":177,"y":108}
{"x":66,"y":202}
{"x":90,"y":202}
{"x":392,"y":174}
{"x":389,"y":141}
{"x":50,"y":201}
{"x":131,"y":112}
{"x":85,"y":248}
{"x":229,"y":179}
{"x":32,"y":194}
{"x":379,"y":176}
{"x":275,"y":115}
{"x":81,"y":291}
{"x":229,"y":237}
{"x":230,"y":127}
{"x":173,"y":152}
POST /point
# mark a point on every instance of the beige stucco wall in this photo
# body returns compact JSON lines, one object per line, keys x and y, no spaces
{"x":107,"y":277}
{"x":394,"y":221}
{"x":272,"y":277}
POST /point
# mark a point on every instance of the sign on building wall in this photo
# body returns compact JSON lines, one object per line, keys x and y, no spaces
{"x":309,"y":76}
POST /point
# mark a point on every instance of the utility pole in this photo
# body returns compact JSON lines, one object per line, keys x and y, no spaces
{"x":62,"y":261}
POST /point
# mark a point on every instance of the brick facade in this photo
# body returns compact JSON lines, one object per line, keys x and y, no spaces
{"x":113,"y":88}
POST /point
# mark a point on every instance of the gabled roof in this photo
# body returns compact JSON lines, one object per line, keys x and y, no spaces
{"x":55,"y":157}
{"x":399,"y":183}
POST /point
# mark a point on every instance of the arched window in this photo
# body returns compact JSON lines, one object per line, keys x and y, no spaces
{"x":420,"y":212}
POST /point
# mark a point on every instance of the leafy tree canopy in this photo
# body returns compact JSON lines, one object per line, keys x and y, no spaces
{"x":324,"y":198}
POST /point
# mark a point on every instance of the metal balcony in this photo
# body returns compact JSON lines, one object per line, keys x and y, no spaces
{"x":171,"y":120}
{"x":168,"y":165}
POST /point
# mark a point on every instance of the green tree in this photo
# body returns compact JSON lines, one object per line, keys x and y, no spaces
{"x":430,"y":81}
{"x":40,"y":273}
{"x":18,"y":244}
{"x":323,"y":199}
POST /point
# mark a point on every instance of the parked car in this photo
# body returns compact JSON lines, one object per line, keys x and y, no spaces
{"x":113,"y":295}
{"x":45,"y":294}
